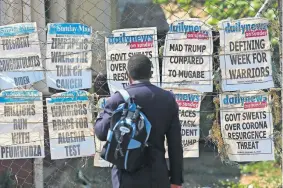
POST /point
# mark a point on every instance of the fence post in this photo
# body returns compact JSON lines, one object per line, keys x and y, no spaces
{"x":114,"y":15}
{"x":264,"y":7}
{"x":38,"y":16}
{"x":58,"y":11}
{"x":280,"y":8}
{"x":26,"y":10}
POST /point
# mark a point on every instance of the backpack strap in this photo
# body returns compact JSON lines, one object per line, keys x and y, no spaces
{"x":125,"y":95}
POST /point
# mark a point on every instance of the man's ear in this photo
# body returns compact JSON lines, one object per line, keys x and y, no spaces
{"x":151,"y":72}
{"x":129,"y":77}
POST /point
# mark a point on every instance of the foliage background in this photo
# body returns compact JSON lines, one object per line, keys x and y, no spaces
{"x":259,"y":174}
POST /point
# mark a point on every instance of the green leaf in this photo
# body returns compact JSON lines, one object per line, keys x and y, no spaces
{"x":212,"y":21}
{"x":242,"y":3}
{"x":160,"y":1}
{"x":184,"y":2}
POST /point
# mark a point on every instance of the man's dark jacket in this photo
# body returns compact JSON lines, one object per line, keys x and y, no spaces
{"x":161,"y":110}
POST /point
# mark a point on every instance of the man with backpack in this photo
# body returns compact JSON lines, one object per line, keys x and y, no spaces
{"x":134,"y":124}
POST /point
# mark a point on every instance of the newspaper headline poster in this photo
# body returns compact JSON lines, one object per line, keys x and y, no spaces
{"x":21,"y":124}
{"x":189,"y":114}
{"x":20,"y":56}
{"x":247,"y":126}
{"x":69,"y":56}
{"x":245,"y":56}
{"x":71,"y":131}
{"x":98,"y":161}
{"x":123,"y":44}
{"x":187,"y":56}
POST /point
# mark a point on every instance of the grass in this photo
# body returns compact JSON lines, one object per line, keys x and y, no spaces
{"x":265,"y":174}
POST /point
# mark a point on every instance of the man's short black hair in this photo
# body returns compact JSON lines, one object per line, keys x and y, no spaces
{"x":139,"y":67}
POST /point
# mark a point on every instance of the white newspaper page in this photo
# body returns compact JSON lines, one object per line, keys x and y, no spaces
{"x":71,"y":131}
{"x":187,"y":56}
{"x":20,"y":56}
{"x":21,"y":124}
{"x":245,"y":56}
{"x":69,"y":56}
{"x":124,"y":43}
{"x":189,"y":114}
{"x":247,"y":126}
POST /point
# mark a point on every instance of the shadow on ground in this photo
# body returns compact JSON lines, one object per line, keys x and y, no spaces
{"x":204,"y":171}
{"x":208,"y":170}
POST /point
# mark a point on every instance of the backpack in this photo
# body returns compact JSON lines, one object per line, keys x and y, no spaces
{"x":127,"y":137}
